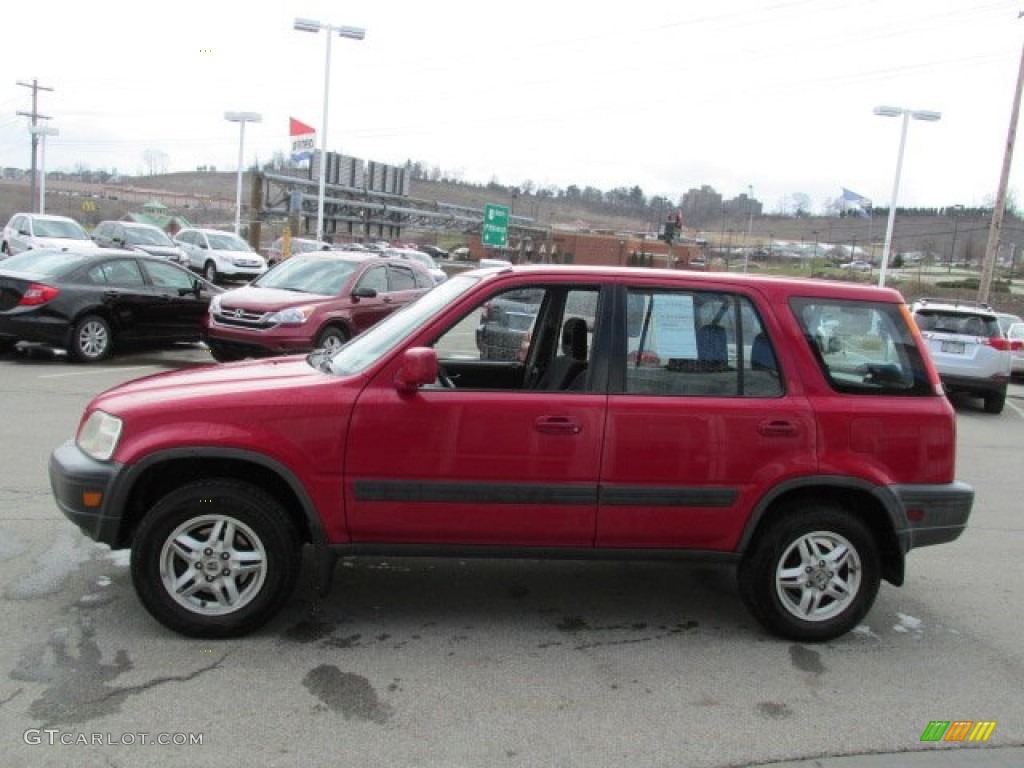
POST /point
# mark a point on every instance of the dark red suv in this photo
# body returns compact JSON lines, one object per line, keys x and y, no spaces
{"x":317,"y":299}
{"x":794,"y":429}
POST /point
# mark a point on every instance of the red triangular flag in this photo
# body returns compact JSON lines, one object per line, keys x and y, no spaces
{"x":298,"y":128}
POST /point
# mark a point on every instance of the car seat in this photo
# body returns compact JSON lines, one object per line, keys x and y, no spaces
{"x":571,"y":361}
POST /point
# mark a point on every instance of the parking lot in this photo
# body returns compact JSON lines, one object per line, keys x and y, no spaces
{"x":471,"y":663}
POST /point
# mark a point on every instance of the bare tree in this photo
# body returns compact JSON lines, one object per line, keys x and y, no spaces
{"x":155,"y":161}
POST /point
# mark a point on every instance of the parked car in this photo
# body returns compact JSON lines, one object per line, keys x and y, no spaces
{"x":1015,"y":333}
{"x":968,"y":348}
{"x":434,"y":252}
{"x":297,"y":245}
{"x":30,"y":231}
{"x":216,"y":255}
{"x":315,"y":299}
{"x":424,"y":260}
{"x":856,"y":266}
{"x":696,"y":418}
{"x":507,"y":321}
{"x":1006,"y":319}
{"x":142,"y":237}
{"x":92,"y":302}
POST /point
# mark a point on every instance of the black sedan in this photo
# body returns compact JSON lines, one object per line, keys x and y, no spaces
{"x":90,"y":302}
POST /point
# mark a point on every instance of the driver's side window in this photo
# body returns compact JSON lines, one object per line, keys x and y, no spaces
{"x":375,"y":278}
{"x":528,"y":338}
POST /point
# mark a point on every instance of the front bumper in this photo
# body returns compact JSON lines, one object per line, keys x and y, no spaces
{"x":934,"y":514}
{"x":86,"y":492}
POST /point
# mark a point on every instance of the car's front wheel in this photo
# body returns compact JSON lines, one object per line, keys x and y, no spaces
{"x":223,"y":354}
{"x":332,"y":339}
{"x":91,"y":339}
{"x":215,"y":558}
{"x":812,"y":575}
{"x":210,"y":271}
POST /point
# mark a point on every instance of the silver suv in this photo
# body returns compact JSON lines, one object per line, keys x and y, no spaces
{"x":969,"y":349}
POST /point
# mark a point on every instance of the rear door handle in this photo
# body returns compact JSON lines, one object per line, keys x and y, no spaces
{"x":778,"y":428}
{"x":557,"y":425}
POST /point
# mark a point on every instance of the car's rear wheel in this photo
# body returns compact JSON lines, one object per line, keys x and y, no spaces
{"x":91,"y":339}
{"x":216,"y":558}
{"x":332,"y":338}
{"x":210,"y":271}
{"x":994,"y":402}
{"x":812,"y":575}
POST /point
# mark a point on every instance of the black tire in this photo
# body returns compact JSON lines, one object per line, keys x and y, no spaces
{"x":229,"y":600}
{"x":222,"y":355}
{"x":91,"y":339}
{"x":994,"y":402}
{"x":210,"y":271}
{"x":817,"y":601}
{"x":331,"y":338}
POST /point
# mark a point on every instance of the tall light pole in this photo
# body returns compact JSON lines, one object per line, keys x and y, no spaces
{"x":241,"y":118}
{"x":42,"y":131}
{"x":352,"y":33}
{"x":750,"y":226}
{"x":917,"y":114}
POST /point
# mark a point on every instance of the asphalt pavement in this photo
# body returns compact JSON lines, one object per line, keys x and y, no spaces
{"x":956,"y":757}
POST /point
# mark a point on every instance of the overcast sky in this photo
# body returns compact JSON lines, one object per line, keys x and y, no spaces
{"x":776,"y":95}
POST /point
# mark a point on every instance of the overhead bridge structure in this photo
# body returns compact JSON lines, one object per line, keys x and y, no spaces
{"x":353,"y":213}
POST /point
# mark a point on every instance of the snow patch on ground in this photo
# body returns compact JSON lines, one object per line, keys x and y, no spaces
{"x":68,"y":551}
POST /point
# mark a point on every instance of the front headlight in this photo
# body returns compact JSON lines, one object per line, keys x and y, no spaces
{"x":99,"y":435}
{"x":291,"y":316}
{"x":215,"y":305}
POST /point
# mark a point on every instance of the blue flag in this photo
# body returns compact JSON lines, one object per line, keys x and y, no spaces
{"x":860,"y":203}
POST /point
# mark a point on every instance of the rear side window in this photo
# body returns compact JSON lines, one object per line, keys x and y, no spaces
{"x":697,"y":344}
{"x":863,"y":347}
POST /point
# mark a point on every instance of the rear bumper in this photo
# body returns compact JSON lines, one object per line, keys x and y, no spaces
{"x":980,"y":386}
{"x":934,"y":514}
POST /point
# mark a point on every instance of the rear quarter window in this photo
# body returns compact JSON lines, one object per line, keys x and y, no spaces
{"x":863,"y":348}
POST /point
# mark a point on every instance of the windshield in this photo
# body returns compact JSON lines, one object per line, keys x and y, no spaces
{"x":146,"y":236}
{"x":226,"y":242}
{"x":69,"y":230}
{"x":364,"y":350}
{"x":308,"y":275}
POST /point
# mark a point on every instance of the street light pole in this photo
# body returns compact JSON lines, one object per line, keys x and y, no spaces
{"x":42,"y":131}
{"x":352,"y":33}
{"x":241,"y":118}
{"x":917,"y":114}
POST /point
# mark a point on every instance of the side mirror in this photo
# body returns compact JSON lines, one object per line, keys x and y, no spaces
{"x":364,"y":293}
{"x":418,"y":368}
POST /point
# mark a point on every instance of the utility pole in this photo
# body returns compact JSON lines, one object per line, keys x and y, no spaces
{"x":995,"y":231}
{"x":35,"y":116}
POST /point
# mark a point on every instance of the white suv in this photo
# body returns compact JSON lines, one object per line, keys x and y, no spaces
{"x":218,"y":254}
{"x":968,"y":347}
{"x":28,"y":231}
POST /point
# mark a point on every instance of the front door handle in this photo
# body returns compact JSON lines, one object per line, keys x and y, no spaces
{"x":557,"y":425}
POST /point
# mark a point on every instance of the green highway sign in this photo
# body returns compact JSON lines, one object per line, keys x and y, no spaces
{"x":494,"y":231}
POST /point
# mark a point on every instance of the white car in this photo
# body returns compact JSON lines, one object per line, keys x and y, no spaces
{"x":421,"y":258}
{"x":856,"y":266}
{"x":30,"y":231}
{"x":217,"y":254}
